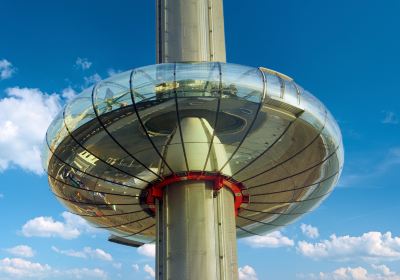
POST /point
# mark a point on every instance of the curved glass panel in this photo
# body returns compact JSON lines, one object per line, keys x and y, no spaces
{"x":198,"y":92}
{"x":291,"y":95}
{"x":253,"y":125}
{"x":242,"y":95}
{"x":274,"y":89}
{"x":153,"y":83}
{"x":290,"y":145}
{"x":79,"y":111}
{"x":311,"y":104}
{"x":56,"y":132}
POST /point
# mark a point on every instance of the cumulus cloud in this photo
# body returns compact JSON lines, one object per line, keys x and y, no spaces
{"x":6,"y":69}
{"x":17,"y":268}
{"x":272,"y":240}
{"x":149,"y":270}
{"x":71,"y":228}
{"x":83,"y":63}
{"x":87,"y":252}
{"x":21,"y":251}
{"x":25,"y":114}
{"x":148,"y":250}
{"x":20,"y":268}
{"x":70,"y":253}
{"x":135,"y":267}
{"x":309,"y":231}
{"x":380,"y":272}
{"x":390,"y":118}
{"x":247,"y":273}
{"x":92,"y":79}
{"x":112,"y":72}
{"x":117,"y":265}
{"x":68,"y":93}
{"x":83,"y":273}
{"x":369,"y":246}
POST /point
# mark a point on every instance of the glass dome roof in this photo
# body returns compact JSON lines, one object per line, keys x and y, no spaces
{"x":262,"y":130}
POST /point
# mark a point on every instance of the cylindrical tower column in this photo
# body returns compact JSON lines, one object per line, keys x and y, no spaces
{"x":196,"y":226}
{"x":197,"y":234}
{"x":196,"y":229}
{"x":190,"y":30}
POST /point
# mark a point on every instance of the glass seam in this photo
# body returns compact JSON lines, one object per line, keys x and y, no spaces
{"x":99,"y":158}
{"x":300,"y":188}
{"x":216,"y":116}
{"x":124,"y":224}
{"x":108,"y":215}
{"x":141,"y":122}
{"x":113,"y":138}
{"x":65,"y":183}
{"x":250,"y":127}
{"x":179,"y":121}
{"x":291,"y":157}
{"x":136,"y":233}
{"x":91,"y":175}
{"x":93,"y":204}
{"x":295,"y":174}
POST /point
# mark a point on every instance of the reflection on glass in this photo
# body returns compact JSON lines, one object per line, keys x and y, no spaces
{"x":254,"y":125}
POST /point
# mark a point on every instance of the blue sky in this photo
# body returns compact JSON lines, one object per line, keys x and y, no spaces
{"x":344,"y":52}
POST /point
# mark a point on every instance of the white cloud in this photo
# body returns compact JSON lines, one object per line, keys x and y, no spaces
{"x":381,"y":272}
{"x":70,"y":253}
{"x":112,"y":72}
{"x":385,"y":271}
{"x":6,"y":69}
{"x":71,"y":228}
{"x":83,"y":63}
{"x":117,"y":265}
{"x":135,"y":267}
{"x":47,"y":227}
{"x":21,"y":251}
{"x":247,"y":273}
{"x":309,"y":231}
{"x":25,"y":114}
{"x":272,"y":240}
{"x":98,"y":254}
{"x":149,"y":270}
{"x":390,"y":118}
{"x":68,"y":93}
{"x":148,"y":250}
{"x":75,"y":221}
{"x":20,"y":268}
{"x":83,"y":273}
{"x":17,"y":268}
{"x":87,"y":252}
{"x":370,"y":246}
{"x":93,"y":79}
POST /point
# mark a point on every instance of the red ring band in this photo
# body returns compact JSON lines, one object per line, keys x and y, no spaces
{"x":155,"y":190}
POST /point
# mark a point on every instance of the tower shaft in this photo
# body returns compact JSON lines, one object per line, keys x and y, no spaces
{"x":196,"y":227}
{"x":190,"y":31}
{"x":196,"y":233}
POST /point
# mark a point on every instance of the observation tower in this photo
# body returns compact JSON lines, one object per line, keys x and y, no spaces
{"x":193,"y":152}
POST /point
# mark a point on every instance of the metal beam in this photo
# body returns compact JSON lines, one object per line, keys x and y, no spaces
{"x":124,"y":241}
